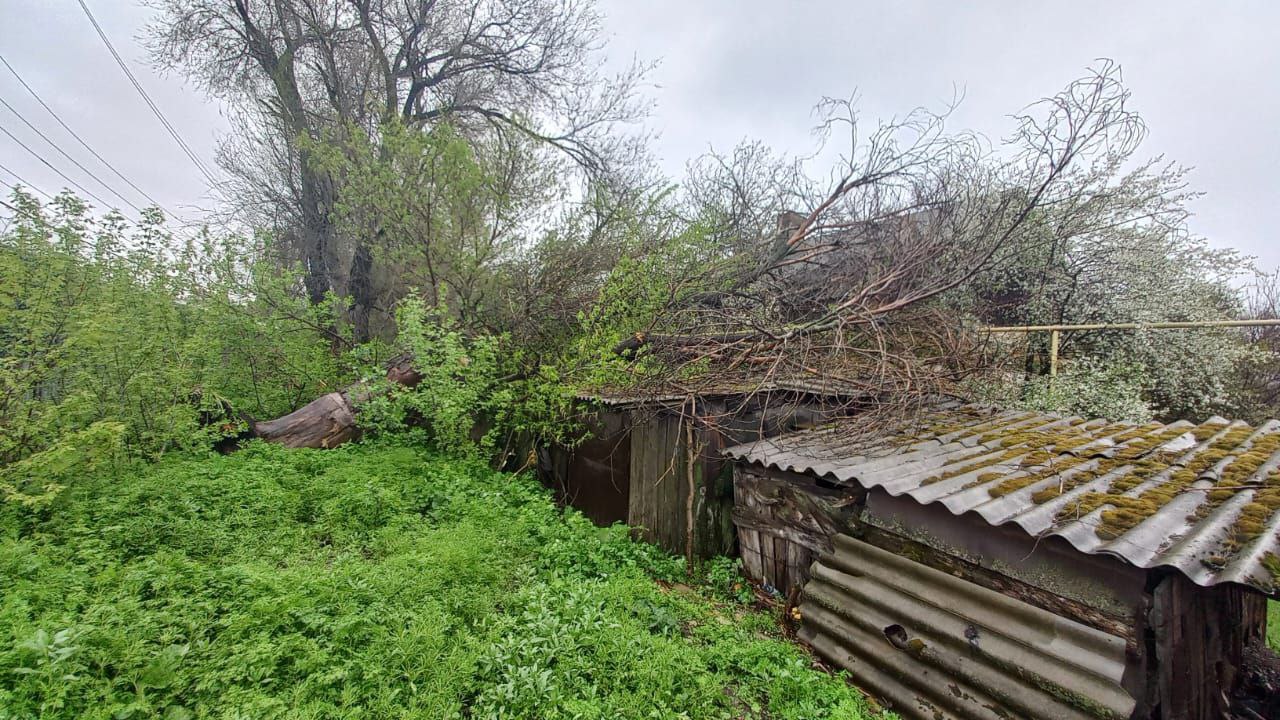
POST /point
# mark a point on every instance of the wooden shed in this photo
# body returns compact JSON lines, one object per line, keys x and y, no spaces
{"x":986,"y":564}
{"x":656,"y":463}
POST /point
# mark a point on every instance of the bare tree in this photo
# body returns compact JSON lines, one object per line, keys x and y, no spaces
{"x":302,"y":70}
{"x":1260,"y":374}
{"x":845,"y":292}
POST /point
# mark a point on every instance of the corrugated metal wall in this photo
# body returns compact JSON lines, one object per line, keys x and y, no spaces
{"x":935,"y":646}
{"x":595,"y":476}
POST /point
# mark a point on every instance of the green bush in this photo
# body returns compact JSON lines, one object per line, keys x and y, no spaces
{"x":101,"y":322}
{"x":369,"y":581}
{"x":1084,"y":387}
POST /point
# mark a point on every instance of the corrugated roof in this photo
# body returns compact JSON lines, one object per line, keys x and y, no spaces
{"x":860,"y":596}
{"x":1204,"y":499}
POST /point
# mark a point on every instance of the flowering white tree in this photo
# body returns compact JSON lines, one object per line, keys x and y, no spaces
{"x":1126,"y":257}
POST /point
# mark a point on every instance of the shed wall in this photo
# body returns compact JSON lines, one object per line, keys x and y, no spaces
{"x":595,"y":476}
{"x":785,"y":521}
{"x":938,"y":647}
{"x":1200,"y":636}
{"x":666,"y":492}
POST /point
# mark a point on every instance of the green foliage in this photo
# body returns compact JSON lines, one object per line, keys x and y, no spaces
{"x":472,"y":395}
{"x":1125,"y":257}
{"x":638,"y":291}
{"x":1090,"y":389}
{"x":101,"y":322}
{"x":438,"y":210}
{"x":369,"y":581}
{"x":461,"y":383}
{"x":37,"y":479}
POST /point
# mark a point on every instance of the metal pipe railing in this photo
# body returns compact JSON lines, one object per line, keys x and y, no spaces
{"x":1139,"y":326}
{"x":1055,"y":330}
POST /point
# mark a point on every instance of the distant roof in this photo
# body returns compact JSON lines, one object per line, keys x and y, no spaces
{"x":1204,"y":499}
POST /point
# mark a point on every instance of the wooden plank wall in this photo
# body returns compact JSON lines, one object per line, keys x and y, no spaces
{"x":784,"y":521}
{"x":660,"y":488}
{"x":1200,"y":636}
{"x":658,"y":481}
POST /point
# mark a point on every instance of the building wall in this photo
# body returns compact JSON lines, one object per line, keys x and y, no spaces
{"x":1200,"y":636}
{"x":681,"y":496}
{"x":595,"y":476}
{"x":635,"y":467}
{"x":937,"y":647}
{"x":785,"y":521}
{"x":902,"y":595}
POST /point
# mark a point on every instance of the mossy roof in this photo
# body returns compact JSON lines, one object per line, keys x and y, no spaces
{"x":1204,"y":499}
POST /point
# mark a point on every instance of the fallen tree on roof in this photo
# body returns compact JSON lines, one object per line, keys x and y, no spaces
{"x":856,"y":284}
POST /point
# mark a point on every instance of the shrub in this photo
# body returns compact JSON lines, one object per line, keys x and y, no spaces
{"x":1091,"y":389}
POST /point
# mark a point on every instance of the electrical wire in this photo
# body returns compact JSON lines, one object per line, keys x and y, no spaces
{"x":61,"y":174}
{"x":75,"y":135}
{"x":22,"y":181}
{"x":147,"y":98}
{"x":64,"y":154}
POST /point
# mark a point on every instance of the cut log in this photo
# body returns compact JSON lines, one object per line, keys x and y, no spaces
{"x":330,"y":420}
{"x":322,"y":423}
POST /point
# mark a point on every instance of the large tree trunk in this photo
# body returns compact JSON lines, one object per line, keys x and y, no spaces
{"x":330,"y":420}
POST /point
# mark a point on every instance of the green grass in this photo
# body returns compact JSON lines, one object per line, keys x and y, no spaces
{"x":369,"y":582}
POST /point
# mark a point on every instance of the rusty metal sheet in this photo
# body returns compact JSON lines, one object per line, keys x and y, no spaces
{"x":596,"y":475}
{"x":938,"y":647}
{"x":1203,"y":499}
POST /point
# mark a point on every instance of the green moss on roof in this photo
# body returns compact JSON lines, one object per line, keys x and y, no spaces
{"x":1123,"y":511}
{"x":1055,"y":469}
{"x":1271,"y":562}
{"x":965,"y":468}
{"x":1131,"y":477}
{"x":1037,"y":457}
{"x":1207,"y":430}
{"x":1143,"y":444}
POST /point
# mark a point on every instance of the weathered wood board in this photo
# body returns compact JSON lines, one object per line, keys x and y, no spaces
{"x":785,"y":521}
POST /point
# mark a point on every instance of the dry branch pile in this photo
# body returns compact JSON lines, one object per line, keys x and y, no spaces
{"x":852,"y":291}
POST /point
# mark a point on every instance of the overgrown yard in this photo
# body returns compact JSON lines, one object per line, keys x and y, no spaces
{"x":371,"y":582}
{"x":1273,"y":625}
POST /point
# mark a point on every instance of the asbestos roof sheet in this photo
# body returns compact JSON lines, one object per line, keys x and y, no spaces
{"x":1204,"y":499}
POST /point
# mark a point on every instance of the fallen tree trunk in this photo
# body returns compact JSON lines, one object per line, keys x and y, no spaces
{"x":329,"y":420}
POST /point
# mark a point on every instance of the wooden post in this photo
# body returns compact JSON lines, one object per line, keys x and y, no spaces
{"x":691,"y":480}
{"x":1053,"y":353}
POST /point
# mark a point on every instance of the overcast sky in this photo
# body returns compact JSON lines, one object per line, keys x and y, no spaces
{"x":1205,"y":76}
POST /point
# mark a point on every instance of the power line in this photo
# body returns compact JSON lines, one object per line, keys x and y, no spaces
{"x":20,"y":211}
{"x":64,"y":154}
{"x":147,"y":98}
{"x":73,"y":134}
{"x":63,"y":175}
{"x":24,"y":182}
